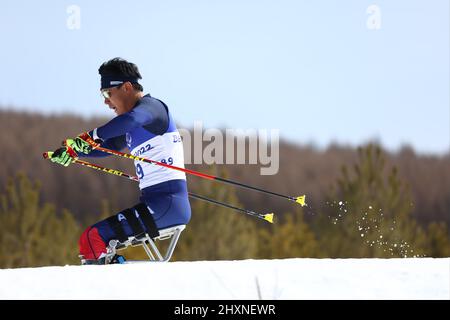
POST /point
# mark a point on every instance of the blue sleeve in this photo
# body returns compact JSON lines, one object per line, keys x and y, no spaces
{"x":149,"y":113}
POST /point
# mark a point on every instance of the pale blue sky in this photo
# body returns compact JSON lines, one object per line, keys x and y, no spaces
{"x":309,"y":68}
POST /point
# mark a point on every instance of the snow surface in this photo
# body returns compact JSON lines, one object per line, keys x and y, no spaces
{"x":413,"y":278}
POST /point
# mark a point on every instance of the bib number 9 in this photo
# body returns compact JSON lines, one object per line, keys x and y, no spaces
{"x":139,"y":171}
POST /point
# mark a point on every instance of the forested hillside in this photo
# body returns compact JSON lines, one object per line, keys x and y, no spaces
{"x":354,"y":196}
{"x":303,"y":170}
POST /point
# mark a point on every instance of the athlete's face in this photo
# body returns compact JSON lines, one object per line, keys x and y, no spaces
{"x":116,"y":98}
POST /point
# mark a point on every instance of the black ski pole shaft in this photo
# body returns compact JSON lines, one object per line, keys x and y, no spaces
{"x":267,"y":216}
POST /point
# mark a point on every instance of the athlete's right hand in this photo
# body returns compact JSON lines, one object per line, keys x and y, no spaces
{"x":78,"y":144}
{"x":63,"y":156}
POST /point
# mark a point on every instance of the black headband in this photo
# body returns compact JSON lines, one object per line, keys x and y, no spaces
{"x":109,"y":81}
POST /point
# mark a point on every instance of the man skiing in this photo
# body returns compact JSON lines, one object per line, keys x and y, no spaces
{"x":144,"y":125}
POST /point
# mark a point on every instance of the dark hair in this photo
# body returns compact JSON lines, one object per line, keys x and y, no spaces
{"x":119,"y":66}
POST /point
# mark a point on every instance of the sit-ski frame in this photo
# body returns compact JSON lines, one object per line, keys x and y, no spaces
{"x":149,"y":244}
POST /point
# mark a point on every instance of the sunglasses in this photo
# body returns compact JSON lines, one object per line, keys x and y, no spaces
{"x":106,"y":93}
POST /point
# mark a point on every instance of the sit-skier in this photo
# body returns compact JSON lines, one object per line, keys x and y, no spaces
{"x":145,"y":125}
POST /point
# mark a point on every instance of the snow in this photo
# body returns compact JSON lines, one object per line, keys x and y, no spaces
{"x":410,"y":278}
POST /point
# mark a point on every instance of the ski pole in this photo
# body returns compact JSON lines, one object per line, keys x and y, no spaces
{"x":96,"y":146}
{"x":48,"y":155}
{"x":268,"y":216}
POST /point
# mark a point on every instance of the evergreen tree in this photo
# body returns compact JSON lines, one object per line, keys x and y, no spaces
{"x":369,"y":213}
{"x":289,"y":237}
{"x":438,"y":240}
{"x":32,"y":234}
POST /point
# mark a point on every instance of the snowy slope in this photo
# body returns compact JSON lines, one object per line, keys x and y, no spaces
{"x":419,"y":278}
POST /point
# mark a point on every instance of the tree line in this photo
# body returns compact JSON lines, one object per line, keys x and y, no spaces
{"x":362,"y":202}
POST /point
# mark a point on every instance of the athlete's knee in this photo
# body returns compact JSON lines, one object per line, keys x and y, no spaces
{"x":91,"y":244}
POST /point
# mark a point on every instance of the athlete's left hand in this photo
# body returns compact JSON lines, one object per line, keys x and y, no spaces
{"x":64,"y":156}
